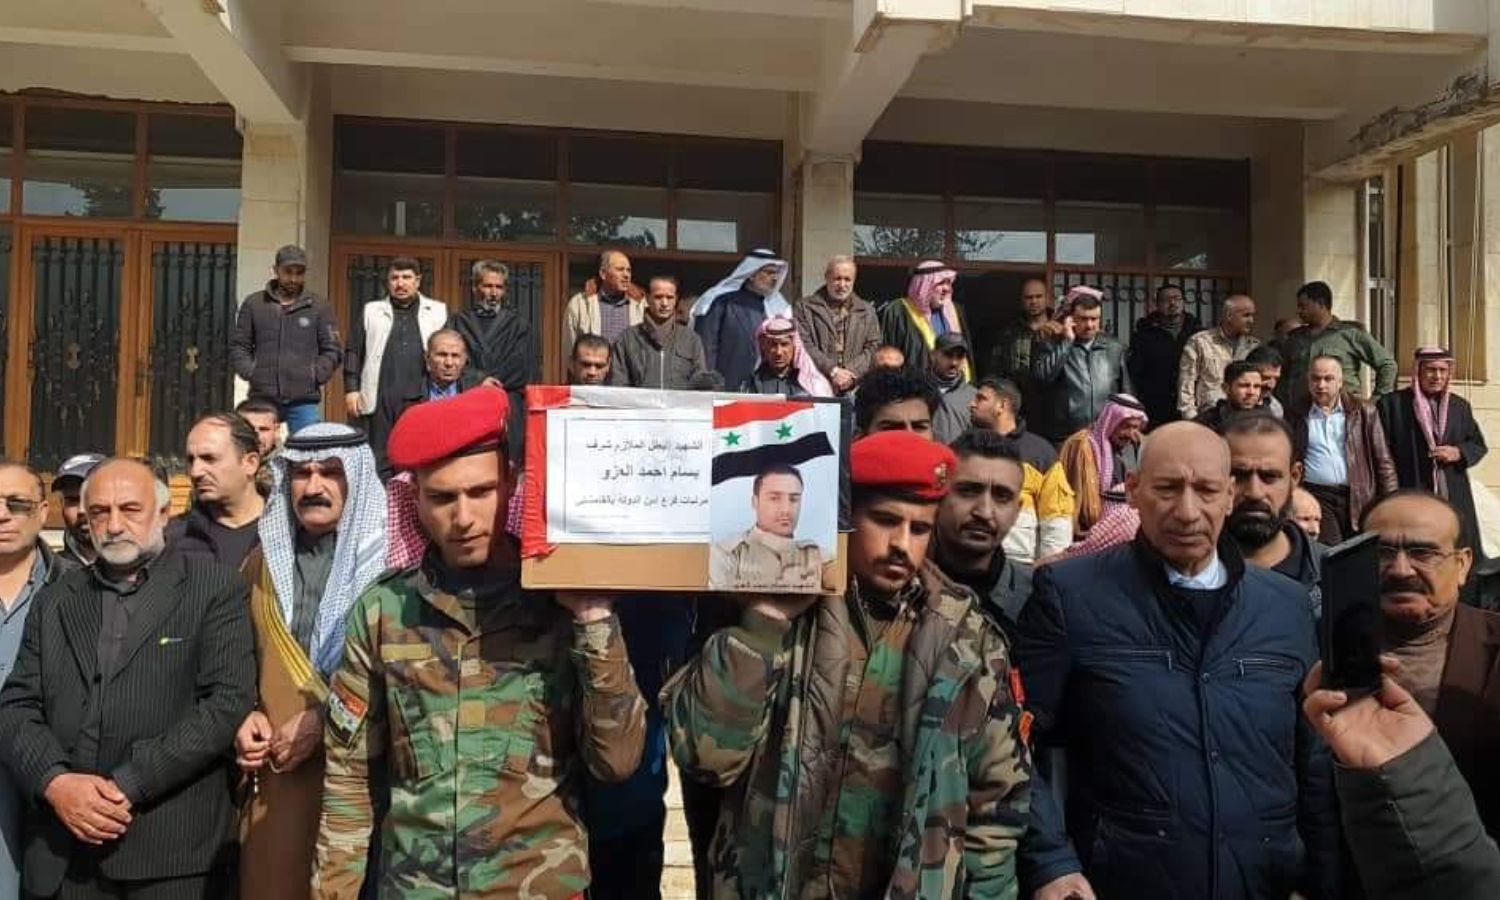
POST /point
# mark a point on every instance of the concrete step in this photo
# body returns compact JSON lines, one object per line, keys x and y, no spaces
{"x":677,"y":884}
{"x":677,"y":871}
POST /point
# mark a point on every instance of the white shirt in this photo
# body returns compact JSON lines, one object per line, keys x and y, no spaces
{"x":1211,"y":578}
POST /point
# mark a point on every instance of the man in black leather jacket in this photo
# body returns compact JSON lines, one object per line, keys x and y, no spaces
{"x":1079,"y":366}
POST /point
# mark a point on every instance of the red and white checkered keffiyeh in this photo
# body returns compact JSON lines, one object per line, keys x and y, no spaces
{"x":1120,"y":409}
{"x":1117,"y":526}
{"x":1433,"y":426}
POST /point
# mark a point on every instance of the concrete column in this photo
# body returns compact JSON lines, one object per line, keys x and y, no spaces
{"x":1422,"y":286}
{"x":285,"y":198}
{"x":1465,"y":332}
{"x":1330,"y":244}
{"x":825,"y":212}
{"x":1484,"y":392}
{"x":1276,"y":223}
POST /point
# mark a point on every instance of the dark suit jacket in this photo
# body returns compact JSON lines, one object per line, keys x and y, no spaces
{"x":184,"y":684}
{"x":1468,"y":707}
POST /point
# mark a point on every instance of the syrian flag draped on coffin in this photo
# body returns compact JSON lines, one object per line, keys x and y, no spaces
{"x":750,"y":435}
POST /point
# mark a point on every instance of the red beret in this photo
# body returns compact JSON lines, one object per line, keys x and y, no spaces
{"x":902,"y":462}
{"x":436,"y":430}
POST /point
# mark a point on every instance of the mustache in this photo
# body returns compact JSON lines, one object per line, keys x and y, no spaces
{"x":1247,"y":507}
{"x":309,"y":502}
{"x":895,"y":558}
{"x":1402,"y":585}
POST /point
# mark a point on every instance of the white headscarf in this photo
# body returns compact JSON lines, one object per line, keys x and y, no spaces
{"x":776,"y":304}
{"x":358,"y":556}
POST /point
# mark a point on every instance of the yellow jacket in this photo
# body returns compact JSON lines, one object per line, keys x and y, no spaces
{"x":1045,"y":523}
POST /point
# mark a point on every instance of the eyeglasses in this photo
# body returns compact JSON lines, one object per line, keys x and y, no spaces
{"x":21,"y":506}
{"x":1419,"y":556}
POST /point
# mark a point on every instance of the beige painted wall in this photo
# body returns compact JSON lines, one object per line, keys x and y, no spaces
{"x":1413,"y":15}
{"x":1276,"y":223}
{"x":558,"y":102}
{"x":1486,"y":398}
{"x":1423,"y":289}
{"x":1330,"y":249}
{"x":116,"y":74}
{"x":1097,"y":131}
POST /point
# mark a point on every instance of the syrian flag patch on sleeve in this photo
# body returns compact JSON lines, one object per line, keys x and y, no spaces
{"x":346,"y":711}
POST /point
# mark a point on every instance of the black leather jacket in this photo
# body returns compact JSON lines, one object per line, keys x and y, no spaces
{"x":1078,"y":380}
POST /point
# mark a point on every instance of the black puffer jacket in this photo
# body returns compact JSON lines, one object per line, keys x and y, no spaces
{"x":287,"y":353}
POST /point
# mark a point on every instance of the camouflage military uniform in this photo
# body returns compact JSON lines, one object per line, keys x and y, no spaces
{"x":761,"y":559}
{"x":864,"y":754}
{"x":455,"y":733}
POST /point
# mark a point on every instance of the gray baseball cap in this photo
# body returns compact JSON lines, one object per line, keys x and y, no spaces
{"x":291,"y":255}
{"x":78,"y":466}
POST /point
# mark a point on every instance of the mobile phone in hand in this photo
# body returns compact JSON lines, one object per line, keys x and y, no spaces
{"x":1350,"y":631}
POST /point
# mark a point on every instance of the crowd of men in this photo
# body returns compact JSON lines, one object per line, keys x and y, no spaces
{"x":1076,"y":656}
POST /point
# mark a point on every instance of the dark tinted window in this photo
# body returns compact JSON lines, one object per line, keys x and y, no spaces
{"x":380,"y":147}
{"x":619,"y":160}
{"x":506,"y":154}
{"x":901,"y":169}
{"x":729,"y":167}
{"x":79,"y":130}
{"x":205,"y":137}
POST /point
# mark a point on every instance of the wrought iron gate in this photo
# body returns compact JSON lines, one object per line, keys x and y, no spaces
{"x":193,"y":308}
{"x":77,"y":290}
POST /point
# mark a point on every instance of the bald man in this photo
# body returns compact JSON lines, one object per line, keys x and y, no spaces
{"x":1208,"y":353}
{"x":1169,"y":670}
{"x":1447,"y":650}
{"x":119,"y":716}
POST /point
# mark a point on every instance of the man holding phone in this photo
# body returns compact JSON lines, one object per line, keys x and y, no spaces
{"x":1170,"y":671}
{"x":1449,"y":652}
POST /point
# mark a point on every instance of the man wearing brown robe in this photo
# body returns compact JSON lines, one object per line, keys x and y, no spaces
{"x":323,"y":540}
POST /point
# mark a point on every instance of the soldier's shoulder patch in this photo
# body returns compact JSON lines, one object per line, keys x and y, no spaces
{"x":1018,"y":694}
{"x":346,"y":712}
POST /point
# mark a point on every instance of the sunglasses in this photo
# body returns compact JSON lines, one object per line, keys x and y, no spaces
{"x":21,"y":506}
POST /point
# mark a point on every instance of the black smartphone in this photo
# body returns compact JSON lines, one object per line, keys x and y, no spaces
{"x":1350,"y":630}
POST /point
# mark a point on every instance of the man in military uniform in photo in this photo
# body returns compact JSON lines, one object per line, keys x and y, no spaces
{"x":769,"y":555}
{"x":466,"y":710}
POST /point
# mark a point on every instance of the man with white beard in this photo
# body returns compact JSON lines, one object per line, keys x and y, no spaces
{"x":840,"y":329}
{"x":118,"y":718}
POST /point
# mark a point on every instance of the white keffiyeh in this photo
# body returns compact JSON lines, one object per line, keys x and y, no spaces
{"x":358,"y":556}
{"x":776,"y":304}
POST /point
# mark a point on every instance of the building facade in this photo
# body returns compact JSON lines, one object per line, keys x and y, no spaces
{"x":154,"y":155}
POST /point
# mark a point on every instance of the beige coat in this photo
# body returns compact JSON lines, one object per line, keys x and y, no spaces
{"x":1200,"y":378}
{"x":582,"y":314}
{"x":759,"y":560}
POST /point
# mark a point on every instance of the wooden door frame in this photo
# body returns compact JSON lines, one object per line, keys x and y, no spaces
{"x":448,"y":285}
{"x":138,"y":433}
{"x":137,"y":309}
{"x":554,"y":272}
{"x":21,"y":373}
